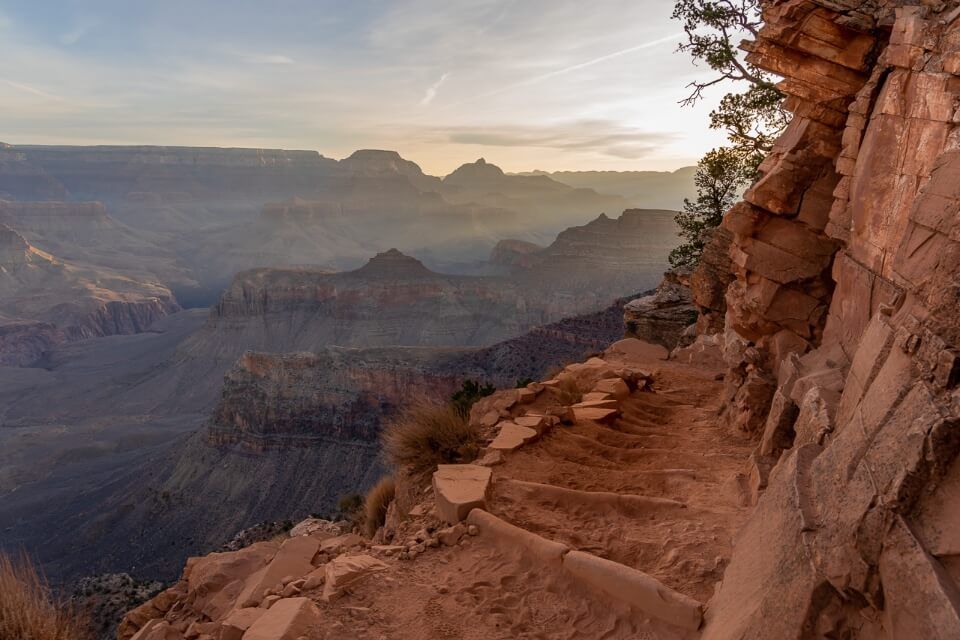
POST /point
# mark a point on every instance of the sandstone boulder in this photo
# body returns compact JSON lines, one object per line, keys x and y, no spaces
{"x":343,"y":571}
{"x":341,"y":543}
{"x":295,"y":558}
{"x":215,"y":582}
{"x":616,"y":387}
{"x":157,"y":630}
{"x":596,"y":404}
{"x":288,"y":619}
{"x":595,"y":414}
{"x":458,"y":488}
{"x":512,"y":436}
{"x":238,"y":621}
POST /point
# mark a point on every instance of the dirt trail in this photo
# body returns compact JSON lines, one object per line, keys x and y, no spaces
{"x":665,"y":447}
{"x":653,"y":491}
{"x":616,"y":530}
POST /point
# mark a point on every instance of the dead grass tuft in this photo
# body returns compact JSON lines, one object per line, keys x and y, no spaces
{"x":375,"y":505}
{"x":568,"y":392}
{"x":428,"y":433}
{"x":28,"y":608}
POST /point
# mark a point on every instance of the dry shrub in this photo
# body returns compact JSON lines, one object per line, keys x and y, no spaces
{"x":428,"y":433}
{"x":28,"y":608}
{"x":375,"y":505}
{"x":568,"y":392}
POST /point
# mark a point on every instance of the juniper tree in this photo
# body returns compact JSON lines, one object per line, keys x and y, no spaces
{"x":752,"y":118}
{"x":720,"y":175}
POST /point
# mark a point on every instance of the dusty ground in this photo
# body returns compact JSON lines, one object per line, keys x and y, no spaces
{"x":680,"y":509}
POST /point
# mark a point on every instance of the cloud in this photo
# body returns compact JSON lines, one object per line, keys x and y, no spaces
{"x":431,"y":91}
{"x":25,"y":88}
{"x":79,"y":31}
{"x":571,"y":68}
{"x":597,"y":136}
{"x":268,"y":59}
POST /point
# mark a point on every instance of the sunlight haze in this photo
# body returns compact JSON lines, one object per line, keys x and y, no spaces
{"x":556,"y":85}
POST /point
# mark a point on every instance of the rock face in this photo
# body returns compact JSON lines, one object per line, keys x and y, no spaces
{"x":336,"y":396}
{"x":664,"y":315}
{"x":45,"y":301}
{"x":842,"y":331}
{"x":515,"y":253}
{"x":85,"y":232}
{"x":550,"y":205}
{"x":603,"y":256}
{"x":115,"y":172}
{"x":392,"y":300}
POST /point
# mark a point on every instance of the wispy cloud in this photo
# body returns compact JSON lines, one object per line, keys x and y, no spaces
{"x":79,"y":31}
{"x":268,"y":59}
{"x":597,"y":136}
{"x":570,"y":69}
{"x":431,"y":91}
{"x":25,"y":88}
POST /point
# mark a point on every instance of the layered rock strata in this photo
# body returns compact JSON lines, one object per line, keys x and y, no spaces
{"x":45,"y":301}
{"x":665,"y":315}
{"x":842,"y":331}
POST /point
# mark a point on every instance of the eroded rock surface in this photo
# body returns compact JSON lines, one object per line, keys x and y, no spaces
{"x":842,"y":334}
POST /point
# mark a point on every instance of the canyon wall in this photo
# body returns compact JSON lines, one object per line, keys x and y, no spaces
{"x":589,"y":264}
{"x":45,"y":301}
{"x":335,"y":395}
{"x":38,"y":172}
{"x":841,"y":335}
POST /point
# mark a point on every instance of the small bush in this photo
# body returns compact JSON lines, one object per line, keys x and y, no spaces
{"x":376,"y":503}
{"x":426,"y":434}
{"x":522,"y":382}
{"x":349,"y":504}
{"x":28,"y":609}
{"x":569,"y":392}
{"x":468,"y":394}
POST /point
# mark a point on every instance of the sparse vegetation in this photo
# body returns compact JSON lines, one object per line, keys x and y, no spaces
{"x":522,"y":382}
{"x":375,"y":505}
{"x":349,"y":504}
{"x":28,"y":608}
{"x":429,"y":433}
{"x":568,"y":392}
{"x":350,"y":508}
{"x":468,"y":394}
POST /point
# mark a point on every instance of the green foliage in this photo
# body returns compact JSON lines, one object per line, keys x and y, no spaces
{"x":752,"y":119}
{"x":468,"y":394}
{"x":522,"y":382}
{"x":719,"y":175}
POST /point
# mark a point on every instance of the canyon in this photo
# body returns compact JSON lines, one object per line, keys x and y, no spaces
{"x":790,"y":472}
{"x":46,"y":301}
{"x":173,"y":438}
{"x":186,"y":459}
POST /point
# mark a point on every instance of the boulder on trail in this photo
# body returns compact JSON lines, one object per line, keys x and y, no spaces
{"x":288,"y":619}
{"x":343,"y":571}
{"x":458,"y":488}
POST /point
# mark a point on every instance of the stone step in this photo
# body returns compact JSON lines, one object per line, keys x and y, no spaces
{"x":612,"y":579}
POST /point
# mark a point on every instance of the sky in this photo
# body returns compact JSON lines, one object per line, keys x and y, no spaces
{"x":526,"y":84}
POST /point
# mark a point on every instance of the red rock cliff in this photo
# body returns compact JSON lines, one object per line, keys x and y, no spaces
{"x":842,"y":334}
